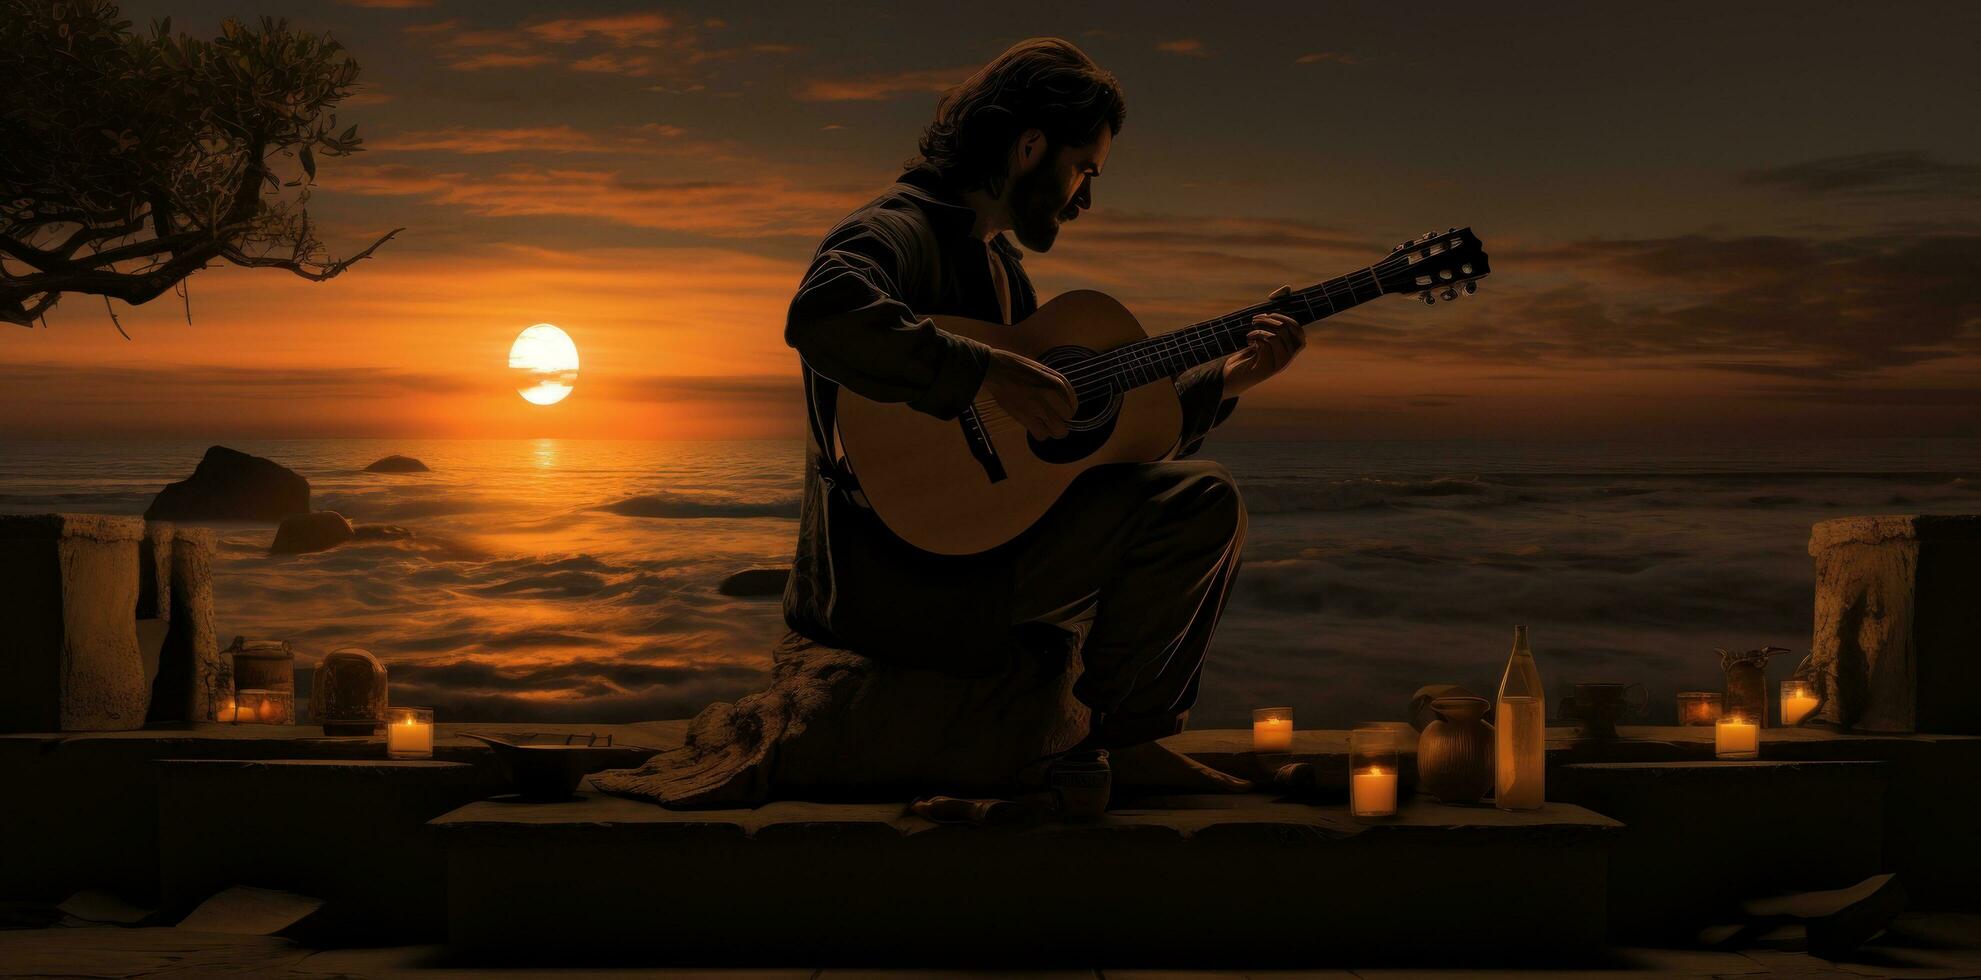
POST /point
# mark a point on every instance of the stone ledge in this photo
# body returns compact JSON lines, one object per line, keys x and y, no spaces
{"x":1890,"y":527}
{"x":1178,"y":818}
{"x":1171,"y":881}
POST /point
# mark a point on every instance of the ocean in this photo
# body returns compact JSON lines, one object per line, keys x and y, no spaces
{"x":558,"y":580}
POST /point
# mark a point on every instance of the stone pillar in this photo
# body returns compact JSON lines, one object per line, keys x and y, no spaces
{"x":176,"y":588}
{"x":1897,"y":643}
{"x":69,"y":656}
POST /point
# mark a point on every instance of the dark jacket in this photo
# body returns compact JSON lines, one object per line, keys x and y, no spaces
{"x":860,"y":320}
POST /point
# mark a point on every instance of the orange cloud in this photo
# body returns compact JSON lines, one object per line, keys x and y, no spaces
{"x":1337,"y":57}
{"x":676,"y":343}
{"x":1185,"y":46}
{"x":747,"y":209}
{"x":498,"y":59}
{"x":648,"y":29}
{"x":882,"y":85}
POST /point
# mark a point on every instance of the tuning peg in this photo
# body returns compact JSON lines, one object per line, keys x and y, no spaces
{"x":1429,"y":235}
{"x":1471,"y":287}
{"x":1426,"y":297}
{"x":1444,"y":274}
{"x":1449,"y":294}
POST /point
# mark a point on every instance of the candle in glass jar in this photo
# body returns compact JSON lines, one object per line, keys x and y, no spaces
{"x":409,"y":733}
{"x":1736,"y":737}
{"x":1798,"y":702}
{"x":225,"y":713}
{"x":1699,"y":707}
{"x":1373,"y":793}
{"x":1272,"y":730}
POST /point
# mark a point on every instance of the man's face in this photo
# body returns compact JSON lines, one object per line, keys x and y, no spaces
{"x":1056,"y":190}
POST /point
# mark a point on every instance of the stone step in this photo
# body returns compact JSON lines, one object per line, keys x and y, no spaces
{"x":1701,"y":836}
{"x":1172,"y":881}
{"x":350,"y":832}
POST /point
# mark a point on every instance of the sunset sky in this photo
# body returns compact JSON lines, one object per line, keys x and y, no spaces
{"x":1704,"y":219}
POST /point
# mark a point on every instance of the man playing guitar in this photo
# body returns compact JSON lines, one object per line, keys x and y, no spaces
{"x":1139,"y":556}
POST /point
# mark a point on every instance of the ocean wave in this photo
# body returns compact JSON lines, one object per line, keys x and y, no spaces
{"x":669,"y":504}
{"x":1360,"y":493}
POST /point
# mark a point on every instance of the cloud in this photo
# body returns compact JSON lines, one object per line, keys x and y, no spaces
{"x":658,"y":139}
{"x":1184,"y":46}
{"x":498,"y":59}
{"x":639,"y":45}
{"x":1765,"y":305}
{"x":1891,"y":173}
{"x":882,"y":85}
{"x":388,"y":4}
{"x":1332,"y":57}
{"x":125,"y":384}
{"x":766,"y":206}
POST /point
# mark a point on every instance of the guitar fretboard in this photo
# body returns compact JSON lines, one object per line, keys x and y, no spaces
{"x":1167,"y":355}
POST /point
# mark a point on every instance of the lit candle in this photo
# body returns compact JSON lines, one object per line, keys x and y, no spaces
{"x":1373,"y":793}
{"x":409,"y":733}
{"x":1736,"y":738}
{"x":1272,"y":730}
{"x":1798,"y":702}
{"x":225,"y":713}
{"x":1698,"y":707}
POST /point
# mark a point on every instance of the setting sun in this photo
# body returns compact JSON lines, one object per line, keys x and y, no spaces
{"x":546,"y":361}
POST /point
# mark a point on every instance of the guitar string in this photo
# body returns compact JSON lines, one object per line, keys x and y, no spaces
{"x":1154,"y":352}
{"x":1096,"y":374}
{"x":1145,"y":352}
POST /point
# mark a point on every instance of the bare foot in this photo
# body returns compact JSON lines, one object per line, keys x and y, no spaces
{"x":1150,"y":767}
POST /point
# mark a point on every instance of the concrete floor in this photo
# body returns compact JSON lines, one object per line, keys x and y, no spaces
{"x":1928,"y":946}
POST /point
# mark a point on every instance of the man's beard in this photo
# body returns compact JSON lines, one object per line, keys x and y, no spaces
{"x":1036,"y":200}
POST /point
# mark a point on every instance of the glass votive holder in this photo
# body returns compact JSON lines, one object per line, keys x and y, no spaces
{"x":409,"y":733}
{"x":1272,"y":730}
{"x":255,"y":706}
{"x":1798,"y":702}
{"x":1372,"y":771}
{"x":1699,"y":707}
{"x":1736,"y":737}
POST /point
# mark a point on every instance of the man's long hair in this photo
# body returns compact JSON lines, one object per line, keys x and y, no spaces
{"x":1044,"y":83}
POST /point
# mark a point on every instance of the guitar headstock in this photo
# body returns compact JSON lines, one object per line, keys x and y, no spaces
{"x":1435,"y":266}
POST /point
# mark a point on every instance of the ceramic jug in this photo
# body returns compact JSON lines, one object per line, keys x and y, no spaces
{"x":1455,"y":752}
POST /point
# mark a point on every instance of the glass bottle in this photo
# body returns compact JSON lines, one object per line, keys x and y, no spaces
{"x":1520,"y":732}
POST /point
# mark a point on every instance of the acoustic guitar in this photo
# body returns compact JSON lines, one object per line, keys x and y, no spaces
{"x":969,"y":484}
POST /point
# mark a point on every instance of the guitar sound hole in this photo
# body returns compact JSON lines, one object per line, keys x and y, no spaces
{"x":1093,"y":421}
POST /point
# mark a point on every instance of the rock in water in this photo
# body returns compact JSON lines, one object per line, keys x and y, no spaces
{"x":319,"y":531}
{"x":756,"y":582}
{"x":836,"y":723}
{"x":380,"y":532}
{"x":397,"y":464}
{"x":231,"y":485}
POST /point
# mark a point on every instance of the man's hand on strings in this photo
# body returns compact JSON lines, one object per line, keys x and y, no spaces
{"x":1274,"y":340}
{"x":1036,"y":395}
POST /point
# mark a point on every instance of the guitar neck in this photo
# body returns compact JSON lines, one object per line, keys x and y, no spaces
{"x":1167,"y":355}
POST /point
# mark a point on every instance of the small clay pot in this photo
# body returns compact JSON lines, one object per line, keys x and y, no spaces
{"x":1455,"y":752}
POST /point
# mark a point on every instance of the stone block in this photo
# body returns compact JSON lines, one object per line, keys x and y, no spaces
{"x":1897,"y":618}
{"x":68,"y":591}
{"x":351,"y":832}
{"x":175,"y":587}
{"x":1699,"y":837}
{"x":1182,"y":881}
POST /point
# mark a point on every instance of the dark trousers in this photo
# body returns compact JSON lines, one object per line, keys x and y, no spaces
{"x":1139,"y":556}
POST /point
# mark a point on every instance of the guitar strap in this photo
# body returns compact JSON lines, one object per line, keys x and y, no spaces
{"x":820,"y":401}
